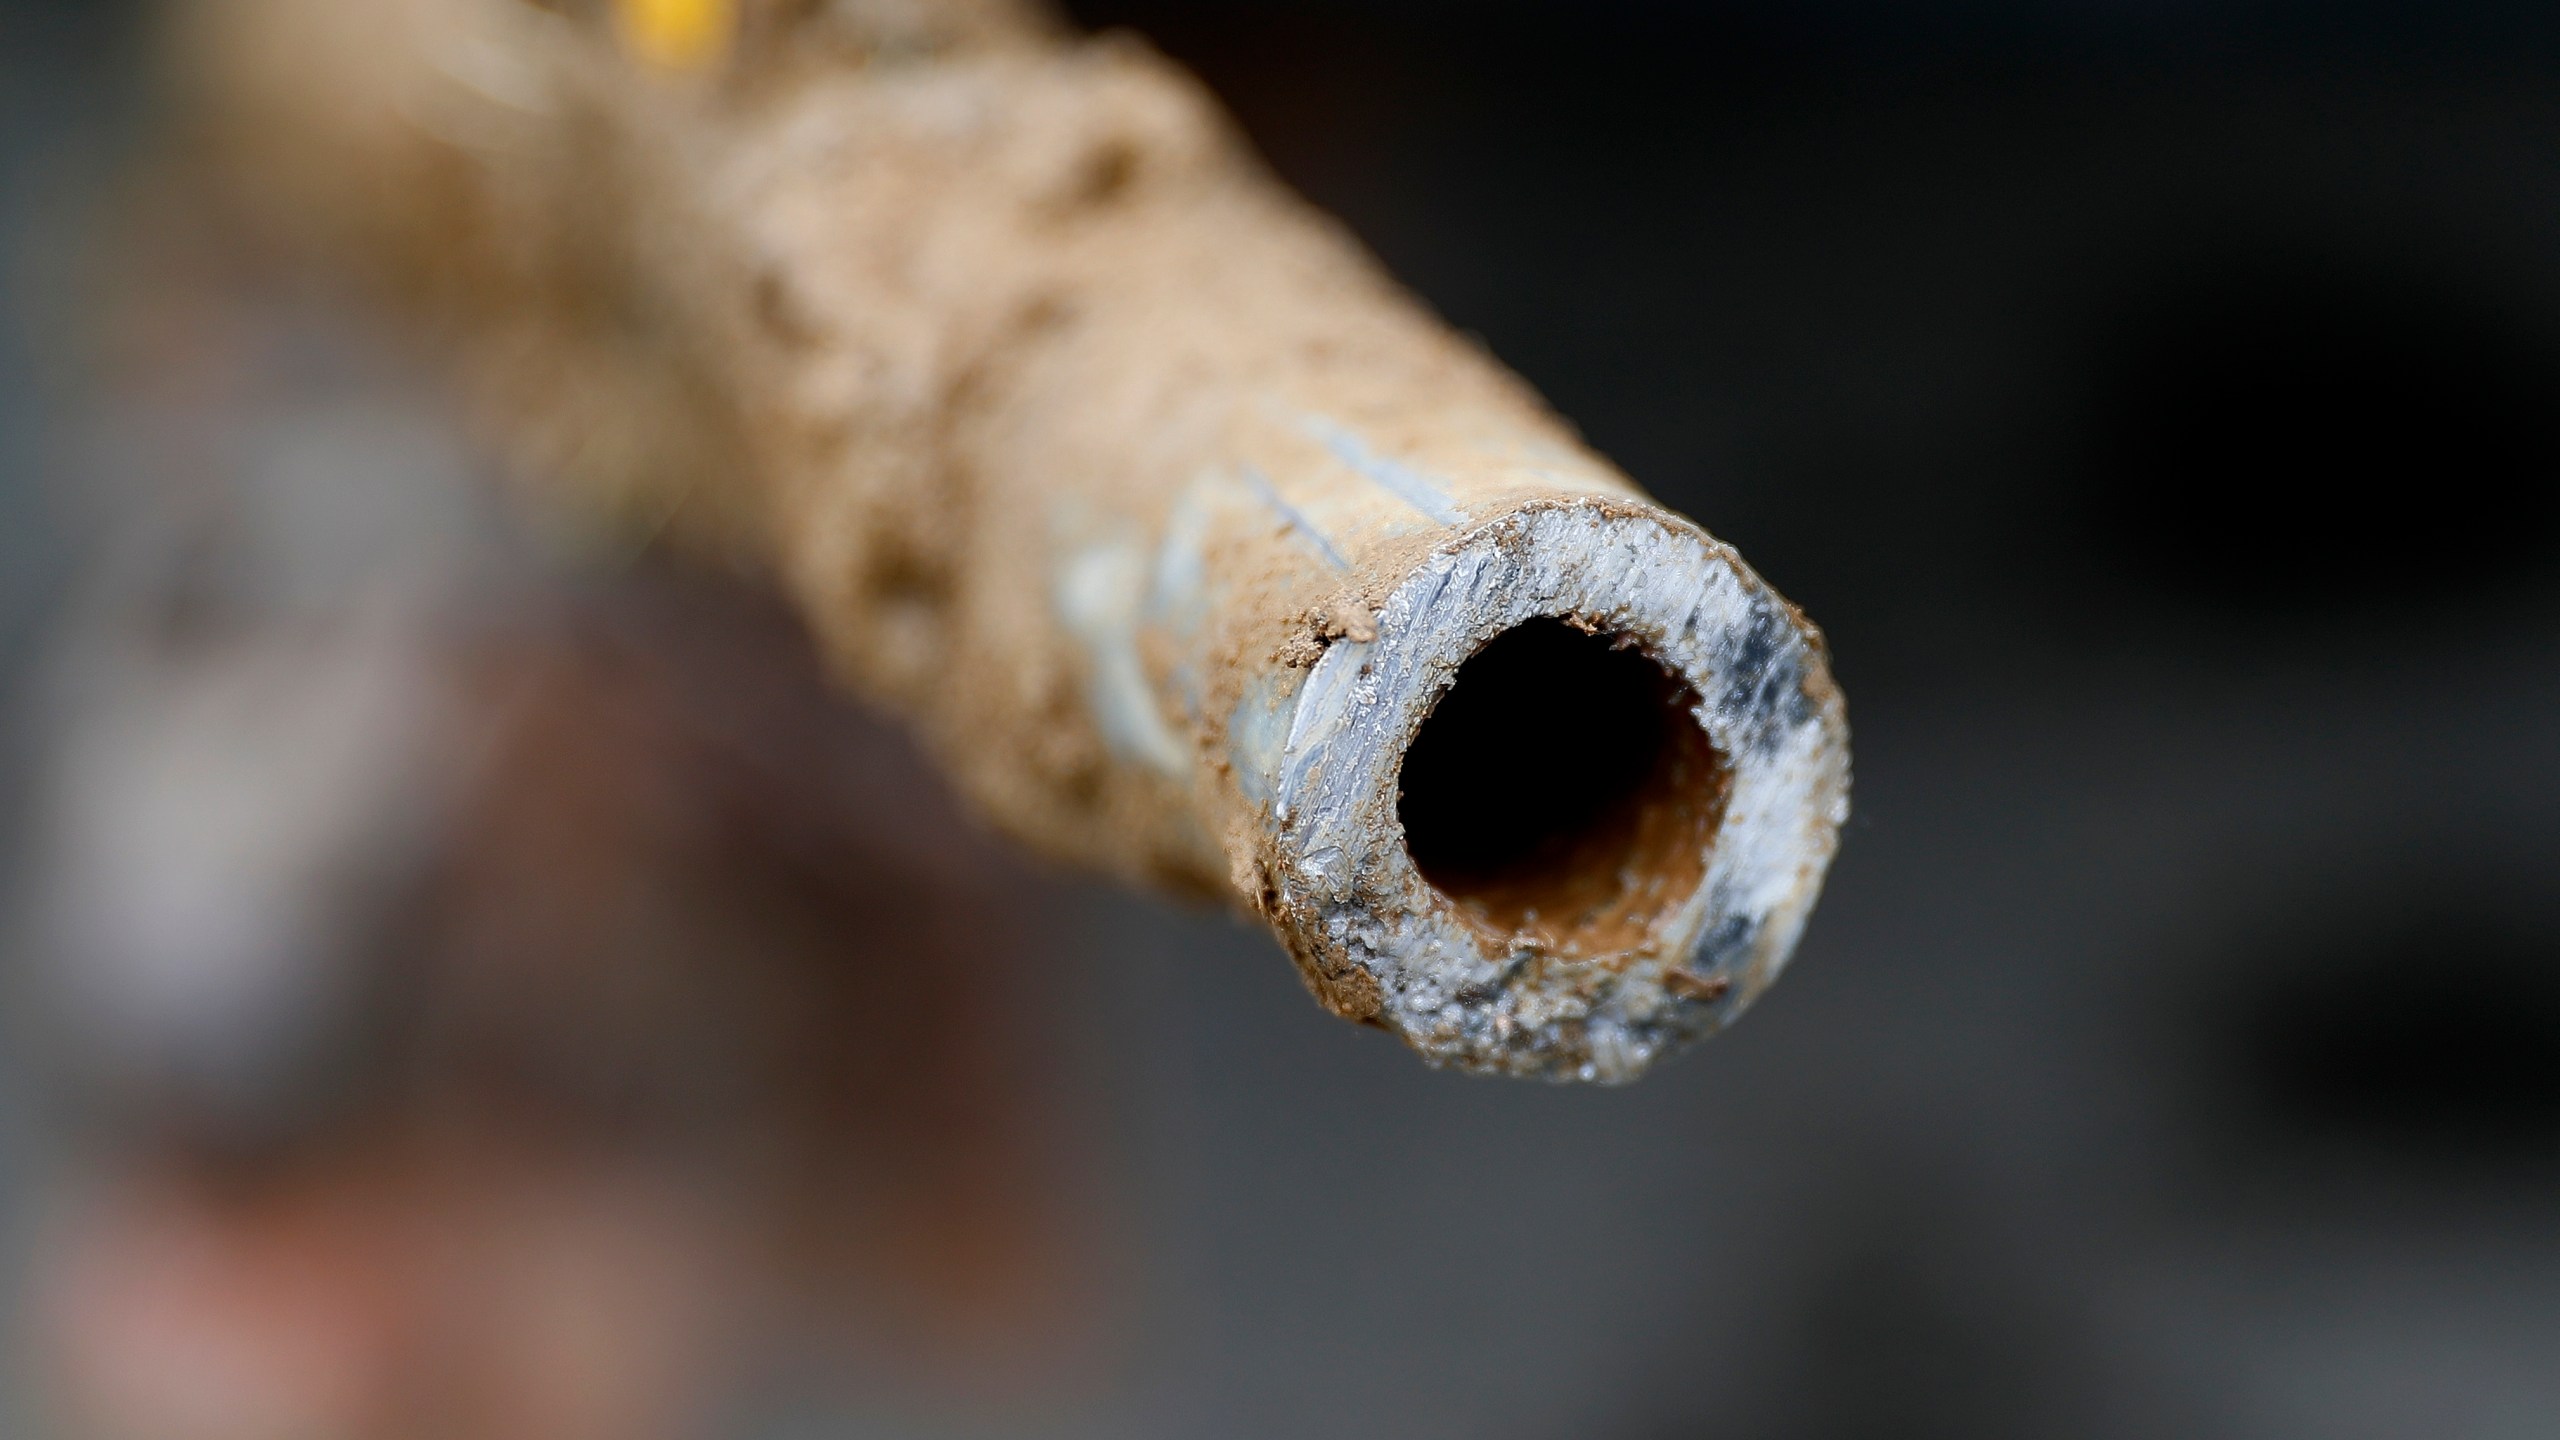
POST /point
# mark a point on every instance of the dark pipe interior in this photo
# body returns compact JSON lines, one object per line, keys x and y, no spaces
{"x":1562,"y":786}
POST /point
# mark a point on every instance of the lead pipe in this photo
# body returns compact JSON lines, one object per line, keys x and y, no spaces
{"x":1196,"y":550}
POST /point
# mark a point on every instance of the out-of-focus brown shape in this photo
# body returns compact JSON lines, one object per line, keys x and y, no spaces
{"x":501,"y":998}
{"x":690,"y":888}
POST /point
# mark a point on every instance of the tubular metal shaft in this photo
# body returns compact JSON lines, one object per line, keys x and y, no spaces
{"x":1197,"y":551}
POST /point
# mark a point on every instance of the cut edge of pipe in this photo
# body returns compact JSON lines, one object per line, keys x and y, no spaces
{"x":1380,"y":942}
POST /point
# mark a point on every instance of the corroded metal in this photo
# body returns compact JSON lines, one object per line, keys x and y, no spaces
{"x":1125,"y":476}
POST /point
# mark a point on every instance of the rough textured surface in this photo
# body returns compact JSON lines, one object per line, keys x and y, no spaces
{"x":1127,"y":477}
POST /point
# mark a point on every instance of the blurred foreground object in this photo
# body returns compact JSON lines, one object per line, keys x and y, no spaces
{"x":497,"y":999}
{"x":1196,"y":551}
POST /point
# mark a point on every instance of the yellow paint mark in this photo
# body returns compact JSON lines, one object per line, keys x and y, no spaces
{"x":677,"y":34}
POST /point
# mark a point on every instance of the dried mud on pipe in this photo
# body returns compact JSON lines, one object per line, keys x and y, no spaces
{"x":1127,"y":478}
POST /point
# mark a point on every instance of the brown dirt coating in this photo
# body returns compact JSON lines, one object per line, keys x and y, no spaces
{"x":994,"y":344}
{"x":861,"y":308}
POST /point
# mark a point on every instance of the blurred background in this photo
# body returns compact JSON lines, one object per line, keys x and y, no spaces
{"x":2157,"y":404}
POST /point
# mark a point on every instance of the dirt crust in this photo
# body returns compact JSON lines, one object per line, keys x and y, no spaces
{"x":1083,"y":444}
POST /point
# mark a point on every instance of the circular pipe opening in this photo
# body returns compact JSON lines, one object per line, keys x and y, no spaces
{"x":1563,"y":789}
